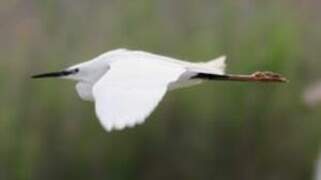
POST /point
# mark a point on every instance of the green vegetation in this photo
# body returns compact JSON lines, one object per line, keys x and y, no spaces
{"x":219,"y":130}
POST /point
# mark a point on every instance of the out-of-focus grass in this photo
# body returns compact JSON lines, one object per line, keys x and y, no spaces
{"x":217,"y":130}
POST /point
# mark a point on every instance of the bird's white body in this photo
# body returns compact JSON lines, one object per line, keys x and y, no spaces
{"x":127,"y":85}
{"x":135,"y":63}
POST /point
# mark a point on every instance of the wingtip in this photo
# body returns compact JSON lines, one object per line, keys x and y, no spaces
{"x":119,"y":126}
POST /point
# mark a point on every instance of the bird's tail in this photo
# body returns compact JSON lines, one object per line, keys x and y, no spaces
{"x":216,"y":65}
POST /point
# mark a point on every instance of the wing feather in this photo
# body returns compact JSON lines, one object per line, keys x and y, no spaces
{"x":128,"y":93}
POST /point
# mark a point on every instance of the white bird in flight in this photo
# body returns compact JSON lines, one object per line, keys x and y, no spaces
{"x":126,"y":85}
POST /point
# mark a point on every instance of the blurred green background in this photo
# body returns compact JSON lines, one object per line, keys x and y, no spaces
{"x":219,"y":130}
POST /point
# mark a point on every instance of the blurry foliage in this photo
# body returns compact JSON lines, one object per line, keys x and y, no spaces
{"x":218,"y":130}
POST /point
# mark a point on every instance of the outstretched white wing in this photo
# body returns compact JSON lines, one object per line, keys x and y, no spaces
{"x":132,"y":88}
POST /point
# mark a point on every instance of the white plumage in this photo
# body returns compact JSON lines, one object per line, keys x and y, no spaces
{"x":136,"y":82}
{"x":131,"y":90}
{"x":126,"y":85}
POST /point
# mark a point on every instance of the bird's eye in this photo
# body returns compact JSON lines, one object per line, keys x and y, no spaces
{"x":71,"y":71}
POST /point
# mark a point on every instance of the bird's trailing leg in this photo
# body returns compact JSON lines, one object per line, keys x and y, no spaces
{"x":259,"y":77}
{"x":265,"y":76}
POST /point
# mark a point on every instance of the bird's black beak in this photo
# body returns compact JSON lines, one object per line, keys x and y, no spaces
{"x":56,"y":74}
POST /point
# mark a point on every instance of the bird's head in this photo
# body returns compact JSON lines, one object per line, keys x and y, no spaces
{"x":82,"y":72}
{"x":67,"y":73}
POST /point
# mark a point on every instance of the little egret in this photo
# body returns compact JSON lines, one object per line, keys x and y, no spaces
{"x":127,"y":85}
